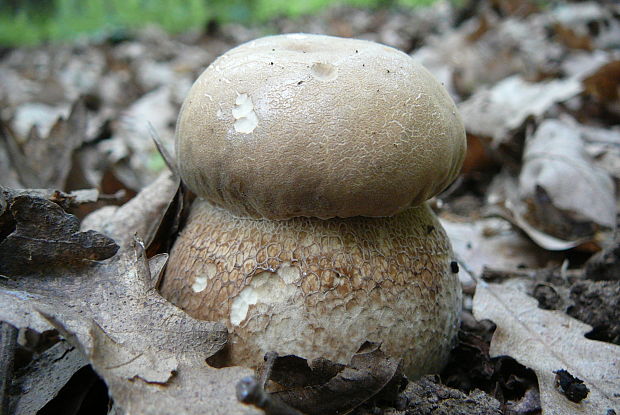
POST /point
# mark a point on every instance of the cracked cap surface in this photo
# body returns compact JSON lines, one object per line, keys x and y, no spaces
{"x":319,"y":126}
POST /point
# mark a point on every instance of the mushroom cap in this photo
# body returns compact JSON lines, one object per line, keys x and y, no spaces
{"x":320,"y":126}
{"x":320,"y":288}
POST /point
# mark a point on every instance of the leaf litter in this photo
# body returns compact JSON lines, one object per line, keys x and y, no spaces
{"x":537,"y":88}
{"x":112,"y":312}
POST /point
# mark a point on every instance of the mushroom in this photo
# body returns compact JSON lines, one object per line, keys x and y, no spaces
{"x":312,"y":158}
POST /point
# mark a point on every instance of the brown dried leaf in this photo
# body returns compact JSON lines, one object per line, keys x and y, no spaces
{"x":150,"y":353}
{"x":563,"y":192}
{"x":370,"y":375}
{"x":571,"y":39}
{"x":46,"y":236}
{"x":45,"y":162}
{"x":604,"y":84}
{"x":547,"y":341}
{"x":604,"y":87}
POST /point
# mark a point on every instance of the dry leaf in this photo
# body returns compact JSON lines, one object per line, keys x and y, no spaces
{"x":140,"y":216}
{"x":547,"y":341}
{"x":604,"y":86}
{"x":503,"y":194}
{"x":564,"y":194}
{"x":131,"y":143}
{"x":571,"y":39}
{"x":39,"y":116}
{"x":327,"y":388}
{"x":581,"y":64}
{"x":8,"y":175}
{"x":582,"y":17}
{"x":45,"y":162}
{"x":150,"y":353}
{"x":497,"y":111}
{"x":494,"y":243}
{"x":44,"y":235}
{"x":603,"y":146}
{"x":604,"y":83}
{"x":44,"y":377}
{"x":488,"y":48}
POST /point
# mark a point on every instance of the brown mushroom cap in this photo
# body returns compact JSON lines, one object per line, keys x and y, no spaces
{"x":310,"y":125}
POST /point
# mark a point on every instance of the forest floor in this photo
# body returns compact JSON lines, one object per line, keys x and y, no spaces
{"x":89,"y":210}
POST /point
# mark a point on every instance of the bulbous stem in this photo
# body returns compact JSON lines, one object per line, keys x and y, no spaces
{"x":320,"y":288}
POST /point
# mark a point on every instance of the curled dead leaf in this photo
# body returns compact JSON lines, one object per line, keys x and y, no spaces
{"x":323,"y":387}
{"x":563,"y":192}
{"x":45,"y":162}
{"x":44,"y":235}
{"x":498,"y":111}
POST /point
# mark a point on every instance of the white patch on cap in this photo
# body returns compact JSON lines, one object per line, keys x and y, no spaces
{"x":246,"y":119}
{"x":269,"y":288}
{"x":324,"y":71}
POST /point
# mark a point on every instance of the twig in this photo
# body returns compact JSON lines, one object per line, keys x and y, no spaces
{"x":163,"y":150}
{"x":270,"y":359}
{"x":8,"y":343}
{"x":250,"y":391}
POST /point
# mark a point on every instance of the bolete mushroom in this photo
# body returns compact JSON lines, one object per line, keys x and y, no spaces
{"x":312,"y":158}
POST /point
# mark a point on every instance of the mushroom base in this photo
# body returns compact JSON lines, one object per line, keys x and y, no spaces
{"x":320,"y":288}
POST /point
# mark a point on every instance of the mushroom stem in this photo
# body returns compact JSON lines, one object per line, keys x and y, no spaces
{"x":320,"y":288}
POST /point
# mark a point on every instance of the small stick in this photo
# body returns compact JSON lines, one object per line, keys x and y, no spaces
{"x":270,"y":359}
{"x":8,"y":343}
{"x":250,"y":391}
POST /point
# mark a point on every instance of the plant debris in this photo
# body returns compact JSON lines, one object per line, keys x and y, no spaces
{"x":324,"y":387}
{"x":574,"y":388}
{"x":46,"y":236}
